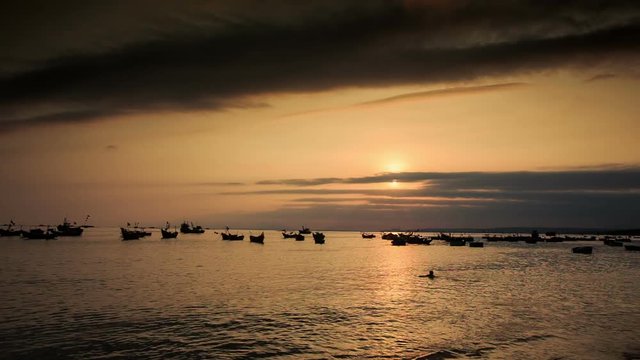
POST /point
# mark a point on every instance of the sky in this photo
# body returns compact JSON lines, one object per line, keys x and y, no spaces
{"x":362,"y":115}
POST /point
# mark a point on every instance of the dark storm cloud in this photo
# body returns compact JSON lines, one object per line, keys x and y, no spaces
{"x":212,"y":56}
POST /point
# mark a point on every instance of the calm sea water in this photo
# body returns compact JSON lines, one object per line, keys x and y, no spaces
{"x":203,"y":298}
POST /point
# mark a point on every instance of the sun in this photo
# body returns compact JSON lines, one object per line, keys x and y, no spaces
{"x":394,"y":167}
{"x":394,"y":183}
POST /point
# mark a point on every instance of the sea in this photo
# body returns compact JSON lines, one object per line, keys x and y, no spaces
{"x":199,"y":297}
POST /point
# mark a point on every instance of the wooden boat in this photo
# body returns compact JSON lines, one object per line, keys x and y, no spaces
{"x":582,"y":250}
{"x":299,"y":237}
{"x":632,"y":247}
{"x":66,"y":229}
{"x":531,"y":240}
{"x":167,"y":234}
{"x":389,"y":236}
{"x":8,"y":231}
{"x":457,"y":242}
{"x":304,"y":231}
{"x":189,"y":228}
{"x":290,"y":235}
{"x":368,"y":236}
{"x":318,"y":237}
{"x":476,"y":244}
{"x":39,"y":234}
{"x":257,"y":239}
{"x":398,"y":242}
{"x":231,"y":237}
{"x":130,"y":234}
{"x":611,"y":242}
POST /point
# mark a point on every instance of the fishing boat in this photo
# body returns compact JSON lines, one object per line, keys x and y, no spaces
{"x":611,"y":242}
{"x":39,"y":234}
{"x":582,"y":250}
{"x":398,"y":241}
{"x":632,"y":247}
{"x":8,"y":231}
{"x":299,"y":237}
{"x":67,"y":229}
{"x":130,"y":234}
{"x":368,"y":236}
{"x":189,"y":228}
{"x":476,"y":244}
{"x":457,"y":242}
{"x":318,"y":237}
{"x":304,"y":230}
{"x":168,"y":234}
{"x":229,"y":236}
{"x":389,"y":236}
{"x":289,"y":235}
{"x":257,"y":239}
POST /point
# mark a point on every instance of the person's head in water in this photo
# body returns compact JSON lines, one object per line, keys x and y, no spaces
{"x":430,"y":272}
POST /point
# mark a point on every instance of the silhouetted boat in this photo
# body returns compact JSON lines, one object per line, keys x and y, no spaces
{"x":130,"y":234}
{"x":398,"y":241}
{"x":257,"y":239}
{"x":632,"y":247}
{"x":39,"y":234}
{"x":389,"y":236}
{"x":611,"y":242}
{"x":189,"y":228}
{"x":476,"y":244}
{"x":318,"y":237}
{"x":582,"y":250}
{"x":290,"y":235}
{"x":66,"y":229}
{"x":457,"y":242}
{"x":368,"y":236}
{"x":9,"y":230}
{"x":299,"y":237}
{"x":167,"y":234}
{"x":304,"y":230}
{"x":230,"y":236}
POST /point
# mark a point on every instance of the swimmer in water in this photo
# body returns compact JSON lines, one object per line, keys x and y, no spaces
{"x":431,"y":275}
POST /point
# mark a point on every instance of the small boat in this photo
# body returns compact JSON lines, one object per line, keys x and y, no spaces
{"x":318,"y":237}
{"x":531,"y":240}
{"x":368,"y":236}
{"x":632,"y":247}
{"x":476,"y":244}
{"x":189,"y":228}
{"x":167,"y":234}
{"x":304,"y":230}
{"x":299,"y":237}
{"x":257,"y":239}
{"x":582,"y":250}
{"x":398,"y":242}
{"x":457,"y":242}
{"x":39,"y":234}
{"x":66,"y":229}
{"x":232,"y":237}
{"x":290,"y":235}
{"x":389,"y":236}
{"x":611,"y":242}
{"x":130,"y":234}
{"x":8,"y":231}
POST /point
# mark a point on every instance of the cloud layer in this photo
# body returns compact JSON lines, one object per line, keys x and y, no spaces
{"x":608,"y":197}
{"x":215,"y":56}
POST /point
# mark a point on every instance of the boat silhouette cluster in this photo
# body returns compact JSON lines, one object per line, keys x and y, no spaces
{"x":136,"y":232}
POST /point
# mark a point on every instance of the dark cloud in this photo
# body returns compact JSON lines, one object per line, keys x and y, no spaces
{"x":609,"y":197}
{"x":195,"y":55}
{"x":600,"y":77}
{"x":111,"y":147}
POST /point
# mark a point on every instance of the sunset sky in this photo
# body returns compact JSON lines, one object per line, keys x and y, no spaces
{"x":333,"y":114}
